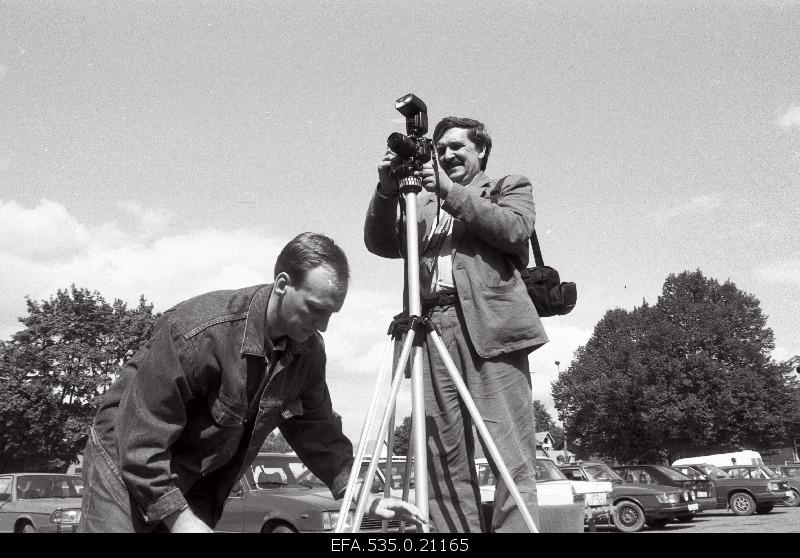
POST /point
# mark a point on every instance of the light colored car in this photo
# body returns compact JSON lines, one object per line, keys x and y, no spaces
{"x":556,"y":494}
{"x":40,"y":502}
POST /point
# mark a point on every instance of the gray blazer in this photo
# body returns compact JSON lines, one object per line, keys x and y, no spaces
{"x":490,"y":246}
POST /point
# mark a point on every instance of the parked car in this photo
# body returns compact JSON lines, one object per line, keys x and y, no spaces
{"x":741,"y":496}
{"x":668,"y":476}
{"x":790,"y":470}
{"x":765,"y":472}
{"x":278,"y":494}
{"x":636,"y":504}
{"x":40,"y":502}
{"x":561,"y":508}
{"x":596,"y":495}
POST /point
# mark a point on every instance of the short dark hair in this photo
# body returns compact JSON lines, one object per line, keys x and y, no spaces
{"x":476,"y":133}
{"x":309,"y":250}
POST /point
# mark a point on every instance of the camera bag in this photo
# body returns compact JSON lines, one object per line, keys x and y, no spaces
{"x":550,"y":296}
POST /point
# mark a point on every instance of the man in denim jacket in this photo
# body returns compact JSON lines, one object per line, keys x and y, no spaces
{"x":471,"y":252}
{"x":191,"y":409}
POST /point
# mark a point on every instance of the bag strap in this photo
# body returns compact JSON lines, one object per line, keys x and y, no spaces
{"x":537,"y":252}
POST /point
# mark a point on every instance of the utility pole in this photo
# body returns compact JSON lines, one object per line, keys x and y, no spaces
{"x":566,"y":453}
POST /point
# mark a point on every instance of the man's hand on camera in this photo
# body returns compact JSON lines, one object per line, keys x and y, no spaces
{"x":429,"y":180}
{"x":388,"y":184}
{"x":396,"y":509}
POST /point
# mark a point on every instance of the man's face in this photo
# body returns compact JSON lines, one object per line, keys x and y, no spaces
{"x":305,"y":308}
{"x":458,"y":156}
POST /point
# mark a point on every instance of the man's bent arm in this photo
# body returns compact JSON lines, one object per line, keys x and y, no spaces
{"x":151,"y":417}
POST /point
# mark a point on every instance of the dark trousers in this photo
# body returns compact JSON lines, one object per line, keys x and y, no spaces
{"x":501,"y":390}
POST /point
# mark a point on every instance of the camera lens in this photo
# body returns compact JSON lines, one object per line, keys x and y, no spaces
{"x":400,"y":144}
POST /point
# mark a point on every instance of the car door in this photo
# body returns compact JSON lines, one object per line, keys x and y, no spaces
{"x":6,"y":518}
{"x":232,"y":520}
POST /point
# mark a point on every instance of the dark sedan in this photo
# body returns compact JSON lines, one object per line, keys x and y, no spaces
{"x":741,"y":496}
{"x":766,"y":472}
{"x":668,"y":476}
{"x":278,"y":494}
{"x":637,"y":504}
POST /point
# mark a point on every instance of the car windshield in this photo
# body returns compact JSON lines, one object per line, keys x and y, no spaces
{"x":269,"y":471}
{"x":546,"y":470}
{"x":790,"y":471}
{"x":713,"y":471}
{"x":770,"y":473}
{"x":692,"y":473}
{"x":672,"y":474}
{"x":601,"y":472}
{"x":48,"y":486}
{"x":398,"y":474}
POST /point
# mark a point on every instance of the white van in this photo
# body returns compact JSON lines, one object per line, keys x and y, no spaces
{"x":744,"y":457}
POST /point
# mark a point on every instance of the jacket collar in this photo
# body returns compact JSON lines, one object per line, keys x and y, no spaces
{"x":255,"y":341}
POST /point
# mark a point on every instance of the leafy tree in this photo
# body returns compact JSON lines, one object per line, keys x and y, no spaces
{"x":402,"y":437}
{"x":544,"y":422}
{"x":691,"y":374}
{"x":68,"y":354}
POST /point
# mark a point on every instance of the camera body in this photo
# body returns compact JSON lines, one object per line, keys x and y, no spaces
{"x":415,"y":149}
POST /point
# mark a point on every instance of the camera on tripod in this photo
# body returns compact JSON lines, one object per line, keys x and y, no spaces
{"x":415,"y":149}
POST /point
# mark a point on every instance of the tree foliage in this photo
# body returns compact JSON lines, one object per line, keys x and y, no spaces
{"x":55,"y":368}
{"x":544,"y":422}
{"x":691,"y":374}
{"x":402,"y":437}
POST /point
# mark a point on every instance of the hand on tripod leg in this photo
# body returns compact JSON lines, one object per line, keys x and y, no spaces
{"x":396,"y":509}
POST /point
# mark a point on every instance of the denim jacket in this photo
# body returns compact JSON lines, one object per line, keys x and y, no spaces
{"x":184,"y":419}
{"x":489,"y":248}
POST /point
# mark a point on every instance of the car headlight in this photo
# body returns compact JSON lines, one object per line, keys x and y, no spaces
{"x":331,"y":518}
{"x":68,"y":516}
{"x":671,"y":498}
{"x":773,"y":486}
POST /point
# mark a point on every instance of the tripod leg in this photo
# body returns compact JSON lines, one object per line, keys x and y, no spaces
{"x":390,"y":407}
{"x":482,"y":430}
{"x":407,"y":474}
{"x":362,"y":442}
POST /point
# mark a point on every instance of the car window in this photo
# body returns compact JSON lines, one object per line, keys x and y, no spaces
{"x":268,"y":471}
{"x":639,"y":475}
{"x":546,"y":470}
{"x":48,"y":486}
{"x":601,"y":472}
{"x":574,"y":474}
{"x":5,"y":488}
{"x":790,"y":471}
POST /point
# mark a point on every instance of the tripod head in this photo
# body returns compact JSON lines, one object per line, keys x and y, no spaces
{"x":415,"y":148}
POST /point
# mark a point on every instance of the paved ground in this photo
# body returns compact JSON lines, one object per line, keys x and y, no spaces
{"x":779,"y":520}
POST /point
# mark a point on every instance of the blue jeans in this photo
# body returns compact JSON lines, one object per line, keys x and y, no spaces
{"x":501,"y":390}
{"x":106,"y":505}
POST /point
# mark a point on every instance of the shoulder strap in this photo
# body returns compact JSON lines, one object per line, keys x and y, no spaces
{"x":537,"y":252}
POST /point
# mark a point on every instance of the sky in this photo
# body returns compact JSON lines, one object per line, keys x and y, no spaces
{"x":166,"y":149}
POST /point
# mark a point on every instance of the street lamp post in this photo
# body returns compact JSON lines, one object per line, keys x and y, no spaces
{"x":566,"y":454}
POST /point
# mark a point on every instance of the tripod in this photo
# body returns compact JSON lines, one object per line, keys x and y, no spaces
{"x":412,"y":350}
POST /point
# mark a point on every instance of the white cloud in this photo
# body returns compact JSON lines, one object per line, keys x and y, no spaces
{"x":45,"y":248}
{"x":790,"y":119}
{"x":697,"y":205}
{"x":785,"y":272}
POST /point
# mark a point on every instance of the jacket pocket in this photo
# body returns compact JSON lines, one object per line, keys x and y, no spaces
{"x":501,"y":288}
{"x":224,"y":415}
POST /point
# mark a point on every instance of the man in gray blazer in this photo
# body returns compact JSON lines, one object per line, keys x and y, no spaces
{"x":471,"y":290}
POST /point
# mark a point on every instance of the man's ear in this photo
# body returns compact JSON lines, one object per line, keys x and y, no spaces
{"x":281,"y":282}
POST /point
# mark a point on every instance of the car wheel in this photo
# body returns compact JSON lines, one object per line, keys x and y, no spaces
{"x":742,"y":504}
{"x":628,"y":517}
{"x":794,"y":500}
{"x":656,"y":523}
{"x":764,"y":509}
{"x":685,"y":518}
{"x":278,"y":528}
